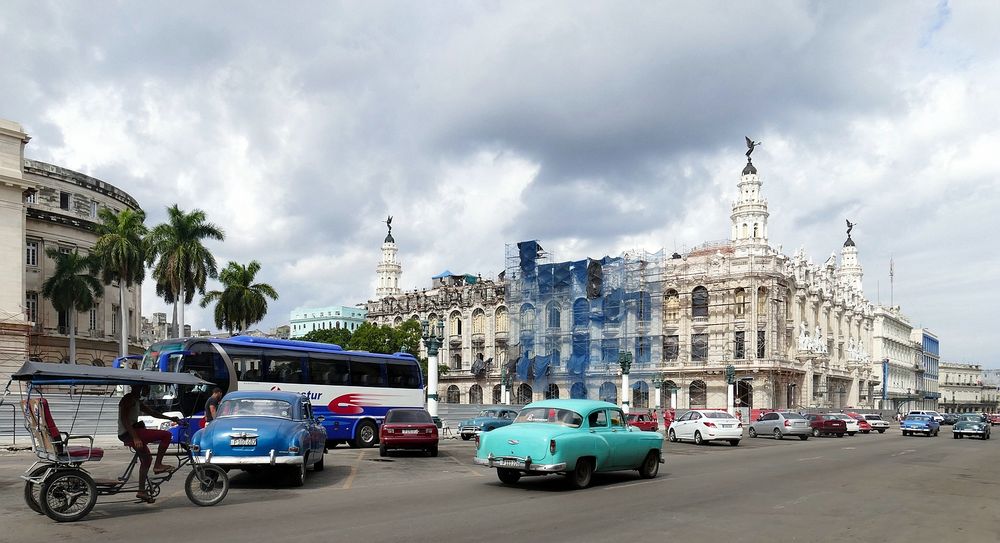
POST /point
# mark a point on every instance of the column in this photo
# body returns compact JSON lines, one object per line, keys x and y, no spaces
{"x":729,"y":398}
{"x":625,"y":392}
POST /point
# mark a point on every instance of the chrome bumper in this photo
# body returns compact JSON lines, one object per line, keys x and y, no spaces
{"x":521,"y":464}
{"x":271,"y":459}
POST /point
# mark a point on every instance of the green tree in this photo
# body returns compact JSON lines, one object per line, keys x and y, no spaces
{"x":181,"y":262}
{"x":406,"y":337}
{"x":337,"y":336}
{"x":373,"y":338}
{"x":241,"y":303}
{"x":73,"y":288}
{"x":121,"y":251}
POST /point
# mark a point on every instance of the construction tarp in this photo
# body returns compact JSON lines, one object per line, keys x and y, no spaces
{"x":579,"y":359}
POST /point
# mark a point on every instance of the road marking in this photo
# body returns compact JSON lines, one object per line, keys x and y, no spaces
{"x":810,"y":458}
{"x":354,"y":471}
{"x":848,"y":448}
{"x":907,"y":451}
{"x":616,"y":487}
{"x":467,"y":468}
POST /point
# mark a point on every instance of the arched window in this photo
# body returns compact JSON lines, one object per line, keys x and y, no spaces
{"x":453,"y":395}
{"x":97,"y":362}
{"x":496,"y":394}
{"x":527,"y":317}
{"x":608,"y":392}
{"x":761,"y":302}
{"x":644,"y":311}
{"x":523,"y":395}
{"x":398,"y":321}
{"x":640,"y":395}
{"x":478,"y":321}
{"x":755,"y":230}
{"x":476,"y":394}
{"x":581,"y":312}
{"x":456,"y":323}
{"x":699,"y":302}
{"x":578,"y":391}
{"x":501,"y":319}
{"x":740,"y":302}
{"x":552,"y":315}
{"x":671,"y":306}
{"x":698,"y":395}
{"x":552,"y":393}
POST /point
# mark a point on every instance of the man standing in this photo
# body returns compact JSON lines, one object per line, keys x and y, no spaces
{"x":212,"y":405}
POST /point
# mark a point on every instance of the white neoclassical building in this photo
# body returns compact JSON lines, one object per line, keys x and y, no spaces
{"x":966,"y":389}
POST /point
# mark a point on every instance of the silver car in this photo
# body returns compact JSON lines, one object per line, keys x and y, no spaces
{"x":780,"y":424}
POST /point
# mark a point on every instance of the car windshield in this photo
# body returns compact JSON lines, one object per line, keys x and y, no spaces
{"x":553,"y":415}
{"x":792,"y":416}
{"x":488,"y":413}
{"x":408,"y":415}
{"x":971,"y":418}
{"x":255,"y":407}
{"x":873,"y":417}
{"x":918,"y":418}
{"x":718,"y":415}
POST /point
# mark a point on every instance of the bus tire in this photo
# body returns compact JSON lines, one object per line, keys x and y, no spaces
{"x":365,"y":435}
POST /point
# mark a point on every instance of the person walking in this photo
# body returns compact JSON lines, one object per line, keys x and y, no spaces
{"x":212,"y":405}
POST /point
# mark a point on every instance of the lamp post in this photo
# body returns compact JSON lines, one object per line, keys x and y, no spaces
{"x":432,"y":341}
{"x":625,"y":361}
{"x":504,"y":385}
{"x":657,"y":383}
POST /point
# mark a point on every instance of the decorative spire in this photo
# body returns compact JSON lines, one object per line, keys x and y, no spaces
{"x":388,"y":237}
{"x":850,"y":226}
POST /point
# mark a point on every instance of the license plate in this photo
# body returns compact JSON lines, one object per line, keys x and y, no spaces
{"x":727,"y":425}
{"x":243,"y":442}
{"x":507,"y":463}
{"x":800,"y":424}
{"x":414,"y":431}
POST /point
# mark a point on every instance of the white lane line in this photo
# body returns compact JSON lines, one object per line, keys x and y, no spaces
{"x":848,"y":448}
{"x":810,"y":458}
{"x":906,"y":451}
{"x":628,"y":485}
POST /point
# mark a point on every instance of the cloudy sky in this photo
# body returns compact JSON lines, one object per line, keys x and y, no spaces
{"x":594,"y":127}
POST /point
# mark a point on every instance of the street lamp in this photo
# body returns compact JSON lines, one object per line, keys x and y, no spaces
{"x":657,"y":383}
{"x":625,"y":361}
{"x":432,"y":341}
{"x":504,"y":386}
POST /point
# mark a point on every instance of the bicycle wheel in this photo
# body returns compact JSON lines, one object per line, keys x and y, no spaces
{"x":68,"y":495}
{"x":33,"y":492}
{"x":206,"y":485}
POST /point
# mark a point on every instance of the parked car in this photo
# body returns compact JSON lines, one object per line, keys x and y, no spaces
{"x":876,"y":422}
{"x":863,"y":425}
{"x":573,"y":437}
{"x":408,"y":429}
{"x":949,"y":419}
{"x":488,"y":419}
{"x":938,"y":417}
{"x":851,"y":425}
{"x":643,"y":421}
{"x":920,"y":424}
{"x":971,"y":425}
{"x":994,"y":419}
{"x":704,"y":425}
{"x":263,"y":430}
{"x":780,"y":424}
{"x":826,"y":424}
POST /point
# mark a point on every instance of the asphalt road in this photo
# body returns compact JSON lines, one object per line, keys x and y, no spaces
{"x":862,"y":488}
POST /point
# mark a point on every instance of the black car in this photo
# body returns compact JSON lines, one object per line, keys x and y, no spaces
{"x":949,"y":419}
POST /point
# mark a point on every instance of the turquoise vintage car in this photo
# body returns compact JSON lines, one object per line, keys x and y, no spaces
{"x":573,"y":437}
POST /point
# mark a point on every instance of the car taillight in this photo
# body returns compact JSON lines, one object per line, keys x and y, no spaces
{"x":552,"y":446}
{"x":710,"y":424}
{"x":388,"y":430}
{"x":788,"y":422}
{"x":430,"y":430}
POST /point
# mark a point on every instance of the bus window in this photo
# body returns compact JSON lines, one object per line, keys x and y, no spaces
{"x":248,"y":364}
{"x":403,"y":375}
{"x":367,"y":372}
{"x":326,"y":369}
{"x":285,"y":369}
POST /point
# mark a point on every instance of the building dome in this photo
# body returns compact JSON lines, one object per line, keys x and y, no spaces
{"x":389,"y":238}
{"x":849,"y":242}
{"x":749,"y":169}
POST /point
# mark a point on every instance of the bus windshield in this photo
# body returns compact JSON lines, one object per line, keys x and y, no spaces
{"x":152,"y":355}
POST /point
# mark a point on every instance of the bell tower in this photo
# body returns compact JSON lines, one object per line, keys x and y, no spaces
{"x":749,"y":216}
{"x":389,"y":270}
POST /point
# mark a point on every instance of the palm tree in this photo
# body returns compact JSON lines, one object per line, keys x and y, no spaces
{"x":242,"y":302}
{"x":182,"y":262}
{"x":121,"y":249}
{"x":72,"y":288}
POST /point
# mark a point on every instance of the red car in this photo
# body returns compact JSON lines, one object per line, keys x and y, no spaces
{"x":994,"y":419}
{"x":408,"y":429}
{"x":826,"y":423}
{"x":643,"y":421}
{"x":863,"y":425}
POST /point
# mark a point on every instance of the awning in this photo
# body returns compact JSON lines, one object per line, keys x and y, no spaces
{"x":47,"y":373}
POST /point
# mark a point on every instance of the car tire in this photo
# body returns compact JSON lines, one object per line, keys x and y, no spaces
{"x":433,"y":451}
{"x":382,"y":451}
{"x":508,"y":476}
{"x":851,"y":433}
{"x":816,"y":432}
{"x":650,"y":466}
{"x":318,"y":466}
{"x":466,"y":437}
{"x":365,"y":435}
{"x":671,"y":436}
{"x":840,"y":435}
{"x":804,"y":438}
{"x":697,"y":438}
{"x":297,"y":477}
{"x":957,"y":436}
{"x":751,"y":432}
{"x":734,"y":442}
{"x":882,"y":431}
{"x":778,"y":435}
{"x":581,"y":476}
{"x":905,"y":433}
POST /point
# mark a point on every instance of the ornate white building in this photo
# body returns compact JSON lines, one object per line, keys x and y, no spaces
{"x":389,"y":270}
{"x":965,"y":389}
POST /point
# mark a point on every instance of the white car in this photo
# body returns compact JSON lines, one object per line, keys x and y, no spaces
{"x":851,"y":422}
{"x":704,"y":425}
{"x":933,"y":414}
{"x":877,"y":423}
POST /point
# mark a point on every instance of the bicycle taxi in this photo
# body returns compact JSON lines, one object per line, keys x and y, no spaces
{"x":57,"y":484}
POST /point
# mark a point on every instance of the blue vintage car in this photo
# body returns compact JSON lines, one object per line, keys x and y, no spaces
{"x":920,"y":424}
{"x":971,"y":425}
{"x":488,"y":419}
{"x":572,"y":437}
{"x":264,"y":429}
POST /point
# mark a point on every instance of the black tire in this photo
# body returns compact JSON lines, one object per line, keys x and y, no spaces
{"x":905,"y":433}
{"x":466,"y":437}
{"x":671,"y":436}
{"x":840,"y":435}
{"x":581,"y":476}
{"x":851,"y":434}
{"x":433,"y":451}
{"x":650,"y":466}
{"x":882,"y":431}
{"x":734,"y":442}
{"x":778,"y":435}
{"x":508,"y":476}
{"x":382,"y":451}
{"x":365,"y":435}
{"x":804,"y":438}
{"x":68,"y":495}
{"x":297,"y":477}
{"x":956,"y":436}
{"x":318,"y":466}
{"x":206,"y":485}
{"x":751,"y":432}
{"x":33,"y":492}
{"x":816,"y":432}
{"x":697,"y":438}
